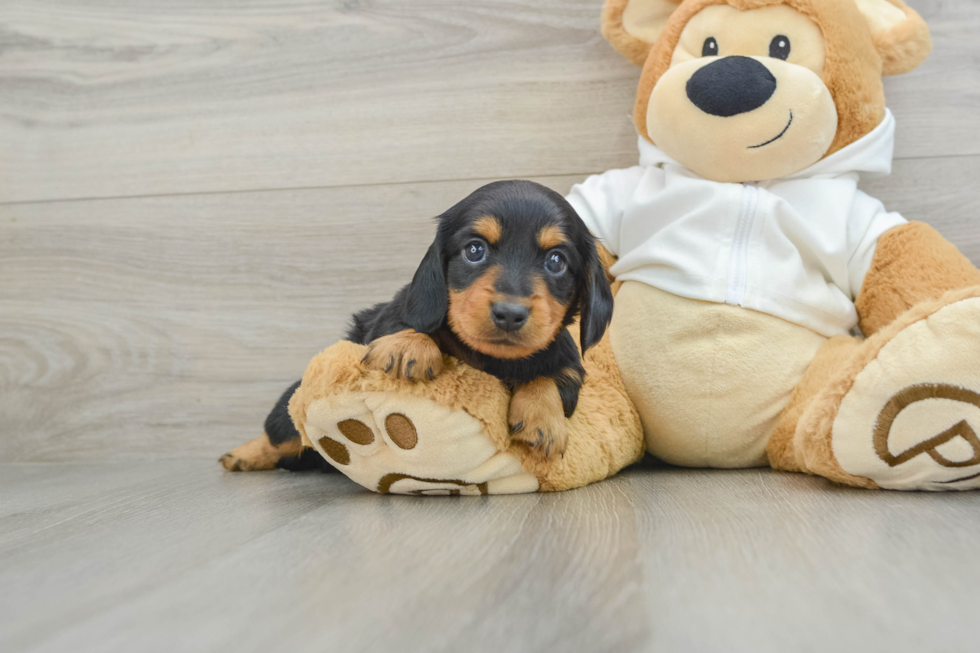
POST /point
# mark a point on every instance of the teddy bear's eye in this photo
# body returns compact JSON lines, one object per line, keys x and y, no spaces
{"x":710,"y":47}
{"x":779,"y":47}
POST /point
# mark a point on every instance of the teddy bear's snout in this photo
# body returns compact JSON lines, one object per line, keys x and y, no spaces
{"x":730,"y":86}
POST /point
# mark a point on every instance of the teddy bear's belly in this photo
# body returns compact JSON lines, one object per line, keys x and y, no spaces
{"x":709,"y":380}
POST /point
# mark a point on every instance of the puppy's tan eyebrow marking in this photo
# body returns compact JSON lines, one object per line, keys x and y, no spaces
{"x":489,"y":227}
{"x":551,"y":236}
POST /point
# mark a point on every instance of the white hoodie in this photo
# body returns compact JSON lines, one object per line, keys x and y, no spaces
{"x":797,"y":247}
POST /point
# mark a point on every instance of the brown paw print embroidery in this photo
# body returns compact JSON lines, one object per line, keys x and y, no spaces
{"x":395,"y":443}
{"x":400,"y":429}
{"x":404,"y":435}
{"x":384,"y":485}
{"x":912,"y":395}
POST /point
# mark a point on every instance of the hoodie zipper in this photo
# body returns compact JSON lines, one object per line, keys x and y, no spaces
{"x":739,"y":256}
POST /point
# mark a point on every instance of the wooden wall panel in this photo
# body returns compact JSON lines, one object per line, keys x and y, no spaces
{"x":275,"y":157}
{"x":107,"y":99}
{"x":169,"y":326}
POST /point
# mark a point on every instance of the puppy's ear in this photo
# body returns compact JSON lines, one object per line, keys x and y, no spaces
{"x":427,"y":299}
{"x":596,"y":300}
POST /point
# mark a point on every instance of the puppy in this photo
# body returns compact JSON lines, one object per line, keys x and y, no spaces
{"x":512,"y":265}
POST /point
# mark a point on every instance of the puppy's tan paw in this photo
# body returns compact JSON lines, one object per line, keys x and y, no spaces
{"x":536,"y":418}
{"x":258,"y":455}
{"x":406,"y":355}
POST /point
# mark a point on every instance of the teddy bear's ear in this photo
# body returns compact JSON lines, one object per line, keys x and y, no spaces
{"x":900,"y":35}
{"x":632,"y":26}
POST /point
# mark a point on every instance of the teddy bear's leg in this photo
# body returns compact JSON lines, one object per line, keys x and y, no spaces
{"x":902,"y":410}
{"x":449,"y":435}
{"x":407,"y":438}
{"x":397,"y":444}
{"x":830,"y":358}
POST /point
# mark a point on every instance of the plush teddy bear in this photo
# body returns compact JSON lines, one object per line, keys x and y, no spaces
{"x":744,"y":257}
{"x":748,"y":254}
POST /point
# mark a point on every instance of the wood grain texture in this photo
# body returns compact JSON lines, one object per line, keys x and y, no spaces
{"x":169,"y":326}
{"x":174,"y":555}
{"x":107,"y":99}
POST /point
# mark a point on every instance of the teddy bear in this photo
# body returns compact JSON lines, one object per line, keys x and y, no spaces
{"x":744,"y":260}
{"x":747,"y":254}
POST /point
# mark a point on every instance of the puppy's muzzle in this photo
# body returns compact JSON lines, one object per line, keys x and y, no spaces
{"x":509,"y":317}
{"x":730,"y":86}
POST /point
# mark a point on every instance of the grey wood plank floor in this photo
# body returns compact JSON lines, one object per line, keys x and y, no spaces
{"x":171,"y":556}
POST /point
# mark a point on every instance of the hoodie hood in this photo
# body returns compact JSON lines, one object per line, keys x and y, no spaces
{"x":870,"y":157}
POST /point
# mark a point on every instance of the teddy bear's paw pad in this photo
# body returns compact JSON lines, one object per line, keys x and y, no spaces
{"x":912,"y":418}
{"x":411,"y":445}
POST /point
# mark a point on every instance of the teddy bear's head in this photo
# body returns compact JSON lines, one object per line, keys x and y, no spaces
{"x":745,"y":90}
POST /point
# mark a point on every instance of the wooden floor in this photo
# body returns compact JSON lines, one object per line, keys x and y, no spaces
{"x":194,"y":197}
{"x":172,"y":556}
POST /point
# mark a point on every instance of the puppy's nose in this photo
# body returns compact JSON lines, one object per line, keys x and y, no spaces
{"x":730,"y":86}
{"x":509,"y":317}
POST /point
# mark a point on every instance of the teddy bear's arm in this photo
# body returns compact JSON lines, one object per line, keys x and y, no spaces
{"x":912,"y":263}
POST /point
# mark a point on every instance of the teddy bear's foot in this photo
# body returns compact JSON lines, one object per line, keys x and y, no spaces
{"x":905,"y":414}
{"x":402,"y":444}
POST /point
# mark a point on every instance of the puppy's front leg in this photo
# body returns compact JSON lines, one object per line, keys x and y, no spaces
{"x":537,"y":418}
{"x":407,"y":354}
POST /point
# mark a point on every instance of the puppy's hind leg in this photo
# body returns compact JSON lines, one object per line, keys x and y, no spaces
{"x":280,"y":447}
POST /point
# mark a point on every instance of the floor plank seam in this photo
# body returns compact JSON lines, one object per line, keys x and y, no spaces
{"x":409,"y":182}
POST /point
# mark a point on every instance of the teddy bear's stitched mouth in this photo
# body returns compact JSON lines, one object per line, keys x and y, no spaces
{"x":777,"y":136}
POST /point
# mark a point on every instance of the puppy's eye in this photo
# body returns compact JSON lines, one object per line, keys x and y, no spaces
{"x":475,"y":252}
{"x":779,"y":47}
{"x":554,"y":264}
{"x":710,"y":47}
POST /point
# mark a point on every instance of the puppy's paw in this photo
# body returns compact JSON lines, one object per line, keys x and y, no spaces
{"x":407,"y":355}
{"x":259,"y":455}
{"x":536,"y":418}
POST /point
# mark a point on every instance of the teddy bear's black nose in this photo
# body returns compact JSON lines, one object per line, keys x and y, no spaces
{"x":730,"y":86}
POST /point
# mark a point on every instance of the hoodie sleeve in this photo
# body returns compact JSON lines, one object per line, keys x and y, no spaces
{"x":869,"y":220}
{"x":601,"y":201}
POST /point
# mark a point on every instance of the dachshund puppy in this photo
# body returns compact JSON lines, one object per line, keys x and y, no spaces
{"x":512,"y":265}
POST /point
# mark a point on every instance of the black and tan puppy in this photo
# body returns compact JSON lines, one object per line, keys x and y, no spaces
{"x":512,"y":265}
